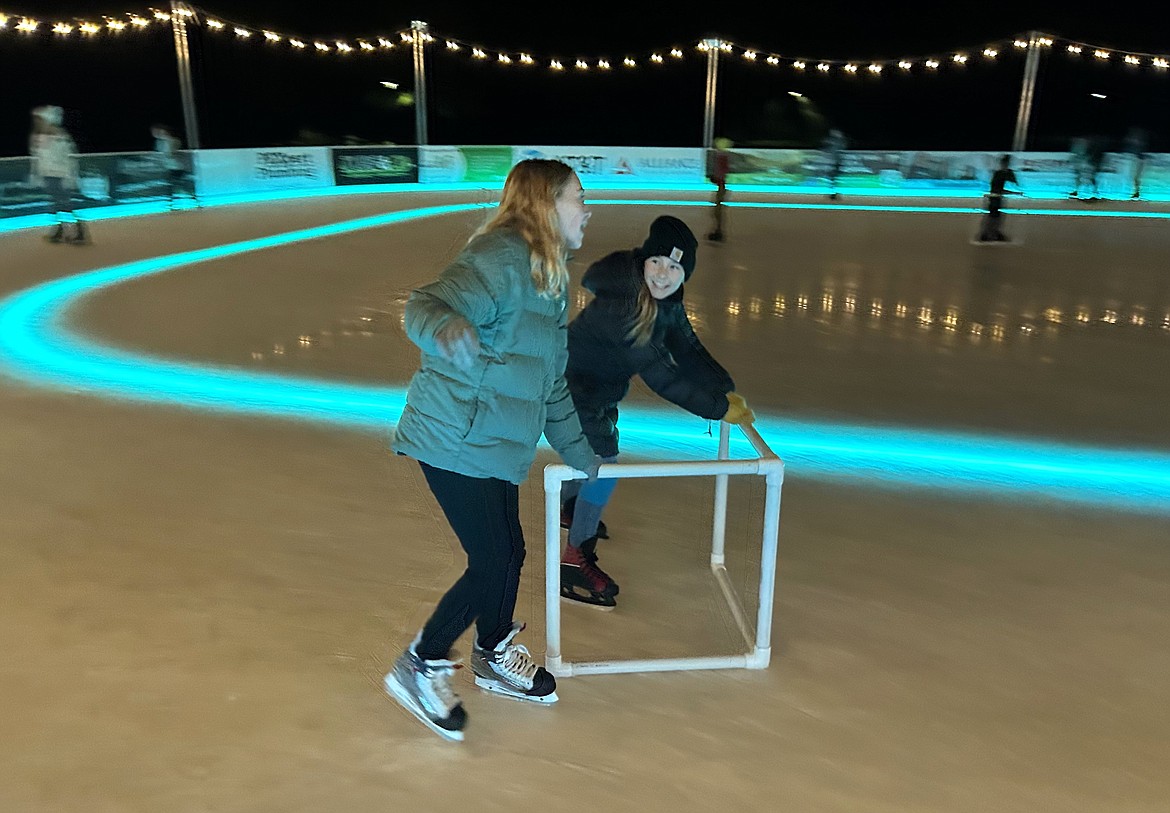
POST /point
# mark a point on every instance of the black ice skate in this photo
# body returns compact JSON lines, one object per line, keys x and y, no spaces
{"x":583,"y":581}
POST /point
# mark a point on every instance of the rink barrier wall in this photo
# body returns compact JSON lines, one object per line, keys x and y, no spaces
{"x":137,"y":179}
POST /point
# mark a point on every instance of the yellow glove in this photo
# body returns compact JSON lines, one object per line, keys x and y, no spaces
{"x":737,"y":410}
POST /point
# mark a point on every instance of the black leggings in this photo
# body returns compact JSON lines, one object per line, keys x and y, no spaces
{"x":485,"y":515}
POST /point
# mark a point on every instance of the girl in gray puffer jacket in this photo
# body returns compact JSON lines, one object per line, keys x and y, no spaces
{"x":492,"y":331}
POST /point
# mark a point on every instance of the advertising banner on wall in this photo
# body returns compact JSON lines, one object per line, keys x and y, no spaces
{"x":487,"y":165}
{"x":227,"y":172}
{"x":365,"y":165}
{"x":626,"y":165}
{"x":103,"y":179}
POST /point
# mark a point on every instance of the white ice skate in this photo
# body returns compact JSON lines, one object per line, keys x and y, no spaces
{"x":509,"y":670}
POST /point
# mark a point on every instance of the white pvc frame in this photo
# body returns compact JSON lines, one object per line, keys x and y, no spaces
{"x":759,"y":651}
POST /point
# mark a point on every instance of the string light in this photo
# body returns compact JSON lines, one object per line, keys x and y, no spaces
{"x":65,"y":29}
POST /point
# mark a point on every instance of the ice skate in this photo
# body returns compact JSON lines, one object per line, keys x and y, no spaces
{"x":583,"y":581}
{"x":423,"y":688}
{"x":57,"y":235}
{"x":509,"y":670}
{"x":567,"y":509}
{"x":80,"y":235}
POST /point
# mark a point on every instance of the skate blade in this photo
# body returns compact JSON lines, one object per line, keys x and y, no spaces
{"x":495,"y":688}
{"x":588,"y":601}
{"x":399,"y":693}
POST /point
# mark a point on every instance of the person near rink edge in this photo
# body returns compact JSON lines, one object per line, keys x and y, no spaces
{"x":55,"y":168}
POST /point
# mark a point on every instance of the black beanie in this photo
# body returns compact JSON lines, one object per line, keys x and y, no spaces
{"x":670,"y":237}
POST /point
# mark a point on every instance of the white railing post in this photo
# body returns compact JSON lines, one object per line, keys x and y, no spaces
{"x":719,"y":530}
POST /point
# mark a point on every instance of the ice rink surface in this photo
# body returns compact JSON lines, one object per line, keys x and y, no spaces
{"x":199,"y":604}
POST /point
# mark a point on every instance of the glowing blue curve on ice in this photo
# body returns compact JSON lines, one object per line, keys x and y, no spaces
{"x":37,"y":346}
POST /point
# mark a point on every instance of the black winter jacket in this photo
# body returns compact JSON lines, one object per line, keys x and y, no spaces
{"x":602,"y":360}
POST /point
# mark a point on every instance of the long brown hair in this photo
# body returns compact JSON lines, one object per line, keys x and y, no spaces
{"x":645,"y":313}
{"x":528,"y":205}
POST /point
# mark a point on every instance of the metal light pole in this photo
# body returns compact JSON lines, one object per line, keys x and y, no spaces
{"x":1027,"y":92}
{"x":713,"y":48}
{"x":419,"y":41}
{"x":179,"y":13}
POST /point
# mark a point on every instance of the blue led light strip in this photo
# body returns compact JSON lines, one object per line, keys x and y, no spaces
{"x":38,"y":347}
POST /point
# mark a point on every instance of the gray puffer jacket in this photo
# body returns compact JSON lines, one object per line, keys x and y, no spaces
{"x":486,"y":421}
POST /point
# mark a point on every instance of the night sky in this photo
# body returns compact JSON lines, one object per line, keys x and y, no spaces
{"x":250,"y":94}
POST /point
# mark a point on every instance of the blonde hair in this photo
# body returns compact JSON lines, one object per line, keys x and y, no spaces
{"x":528,"y":205}
{"x":645,"y":314}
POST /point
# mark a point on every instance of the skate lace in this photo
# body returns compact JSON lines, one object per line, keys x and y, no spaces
{"x":597,"y":577}
{"x":438,"y":675}
{"x":517,"y":662}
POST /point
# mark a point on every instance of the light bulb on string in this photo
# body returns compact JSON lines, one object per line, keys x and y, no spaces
{"x":629,"y":63}
{"x":272,"y":36}
{"x":905,"y":65}
{"x":62,"y":29}
{"x":214,"y":25}
{"x":27,"y":25}
{"x":799,"y":65}
{"x":296,"y":43}
{"x":89,"y":29}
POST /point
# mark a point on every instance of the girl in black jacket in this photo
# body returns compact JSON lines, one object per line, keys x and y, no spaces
{"x":635,"y":325}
